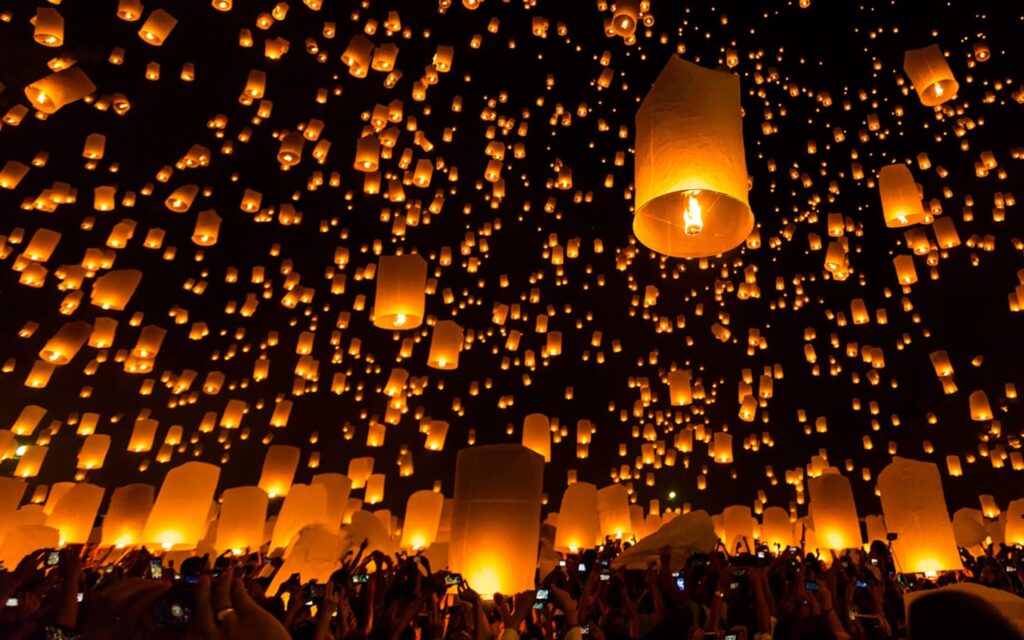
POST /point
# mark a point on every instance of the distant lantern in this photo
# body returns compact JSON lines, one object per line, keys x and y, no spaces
{"x":75,"y":513}
{"x":279,"y":467}
{"x":445,"y":345}
{"x":157,"y":27}
{"x":834,"y":512}
{"x":63,"y":346}
{"x":915,"y":510}
{"x":401,"y":289}
{"x":207,"y":228}
{"x":367,"y":154}
{"x":901,"y":201}
{"x":691,"y":174}
{"x":422,"y":519}
{"x":59,"y":89}
{"x":626,"y":15}
{"x":980,"y":408}
{"x":495,"y":532}
{"x":94,"y":451}
{"x":243,"y":511}
{"x":126,"y":515}
{"x":679,"y":389}
{"x":722,"y":447}
{"x":114,"y":289}
{"x":578,"y":523}
{"x":930,"y":73}
{"x":179,"y":515}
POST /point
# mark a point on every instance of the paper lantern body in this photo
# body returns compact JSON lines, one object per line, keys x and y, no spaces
{"x":901,"y":201}
{"x":126,"y":515}
{"x":63,"y":346}
{"x":930,"y":73}
{"x":305,"y":504}
{"x":22,"y":540}
{"x":834,"y":512}
{"x":578,"y":523}
{"x":75,"y":513}
{"x":59,"y":89}
{"x":776,"y":529}
{"x":1014,"y":532}
{"x":422,"y":519}
{"x":401,"y":290}
{"x":279,"y":467}
{"x":12,"y":490}
{"x":875,"y":528}
{"x":737,"y":523}
{"x":243,"y":511}
{"x":359,"y":471}
{"x":613,"y":512}
{"x":969,"y":528}
{"x":496,"y":517}
{"x":179,"y":515}
{"x":338,"y":488}
{"x":537,"y":434}
{"x":914,"y":507}
{"x":691,"y":173}
{"x":445,"y":345}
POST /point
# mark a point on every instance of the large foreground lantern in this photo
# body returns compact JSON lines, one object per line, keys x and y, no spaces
{"x":613,"y":511}
{"x":578,"y":523}
{"x":126,"y":516}
{"x":179,"y":515}
{"x":915,"y":510}
{"x":901,"y":202}
{"x":59,"y":89}
{"x":279,"y":466}
{"x":776,"y":529}
{"x":401,"y":287}
{"x":75,"y":513}
{"x":422,"y":519}
{"x":243,"y":511}
{"x":691,"y":173}
{"x":834,"y":512}
{"x":928,"y":70}
{"x":496,"y":517}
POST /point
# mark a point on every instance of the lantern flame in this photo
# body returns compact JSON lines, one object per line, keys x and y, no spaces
{"x":693,"y":216}
{"x":399,"y":319}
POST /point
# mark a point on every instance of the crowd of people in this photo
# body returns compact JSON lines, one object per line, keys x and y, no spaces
{"x":757,"y":594}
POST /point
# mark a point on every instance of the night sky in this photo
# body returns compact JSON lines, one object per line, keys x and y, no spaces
{"x":789,"y":60}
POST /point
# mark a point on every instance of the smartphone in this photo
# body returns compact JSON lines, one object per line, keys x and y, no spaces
{"x":730,"y":636}
{"x":453,"y":579}
{"x":542,"y":598}
{"x":793,"y":549}
{"x":605,"y":574}
{"x":582,"y":568}
{"x":874,"y":562}
{"x":313,"y":591}
{"x":360,"y":578}
{"x":760,"y":555}
{"x":734,"y":585}
{"x":156,"y":570}
{"x":1011,"y":569}
{"x":52,"y":558}
{"x":561,"y":563}
{"x":12,"y":602}
{"x":681,"y":583}
{"x":81,"y":596}
{"x":861,"y":584}
{"x":584,"y":629}
{"x":811,"y":585}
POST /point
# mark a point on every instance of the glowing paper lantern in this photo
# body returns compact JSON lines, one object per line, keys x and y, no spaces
{"x":279,"y":467}
{"x":305,"y":504}
{"x":374,"y":493}
{"x":74,"y":515}
{"x":63,"y":346}
{"x":537,"y":434}
{"x":94,"y":451}
{"x":495,"y":518}
{"x":613,"y":512}
{"x":680,"y":392}
{"x":422,"y":518}
{"x":776,"y":529}
{"x":969,"y":528}
{"x":24,"y":539}
{"x":915,"y":510}
{"x":12,"y":490}
{"x":243,"y":511}
{"x":59,"y":89}
{"x":31,"y":461}
{"x":833,"y":511}
{"x":28,"y":420}
{"x":207,"y":228}
{"x":579,"y":526}
{"x":691,"y":176}
{"x":722,"y":447}
{"x":180,"y":513}
{"x":930,"y":73}
{"x":338,"y":488}
{"x":49,"y":27}
{"x":359,"y":470}
{"x":113,"y":290}
{"x":445,"y":345}
{"x":901,"y":202}
{"x":126,"y":515}
{"x":737,"y":524}
{"x":157,"y":27}
{"x":401,"y":287}
{"x":1014,"y":533}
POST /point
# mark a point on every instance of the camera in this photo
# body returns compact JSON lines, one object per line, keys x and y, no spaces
{"x":542,"y":598}
{"x":52,"y":558}
{"x":453,"y":579}
{"x":156,"y":570}
{"x":681,"y":583}
{"x":360,"y":578}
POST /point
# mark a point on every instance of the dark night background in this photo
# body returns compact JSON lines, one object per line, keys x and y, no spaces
{"x":829,"y":47}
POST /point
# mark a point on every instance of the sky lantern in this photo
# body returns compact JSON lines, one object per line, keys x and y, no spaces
{"x":22,"y":540}
{"x":445,"y":345}
{"x":374,"y":492}
{"x":179,"y":515}
{"x":74,"y":514}
{"x":613,"y":512}
{"x":914,"y":507}
{"x":59,"y":89}
{"x":578,"y":522}
{"x":1014,"y":533}
{"x":980,"y":408}
{"x":31,"y":461}
{"x":94,"y":451}
{"x":401,"y":285}
{"x":279,"y":467}
{"x":157,"y":27}
{"x":243,"y":511}
{"x":901,"y":202}
{"x":776,"y":529}
{"x":737,"y":524}
{"x":422,"y":518}
{"x":495,"y":520}
{"x":537,"y":434}
{"x":691,"y":173}
{"x":48,"y":27}
{"x":833,"y":511}
{"x":114,"y":289}
{"x":126,"y":515}
{"x":207,"y":228}
{"x":304,"y":505}
{"x":28,"y":419}
{"x":338,"y":488}
{"x":930,"y":73}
